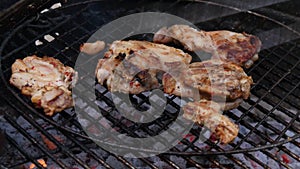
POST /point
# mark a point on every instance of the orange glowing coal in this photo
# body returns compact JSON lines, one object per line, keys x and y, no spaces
{"x":41,"y":161}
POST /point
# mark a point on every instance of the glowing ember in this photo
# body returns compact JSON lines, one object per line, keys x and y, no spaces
{"x":49,"y":143}
{"x":285,"y":158}
{"x":41,"y":161}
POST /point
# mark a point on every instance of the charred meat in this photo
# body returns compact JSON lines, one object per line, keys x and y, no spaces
{"x":239,"y":48}
{"x":214,"y":80}
{"x":132,"y":66}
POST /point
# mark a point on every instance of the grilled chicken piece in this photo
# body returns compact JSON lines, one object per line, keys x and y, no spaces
{"x":239,"y":48}
{"x":215,"y":80}
{"x":52,"y":99}
{"x":46,"y":80}
{"x":133,"y":66}
{"x":209,"y":114}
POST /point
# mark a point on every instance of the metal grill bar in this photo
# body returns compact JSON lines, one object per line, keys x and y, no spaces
{"x":13,"y":142}
{"x":31,"y":139}
{"x":72,"y":38}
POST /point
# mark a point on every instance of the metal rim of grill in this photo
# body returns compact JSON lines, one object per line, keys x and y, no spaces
{"x":276,"y":77}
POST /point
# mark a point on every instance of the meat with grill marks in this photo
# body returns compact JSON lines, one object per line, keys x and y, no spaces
{"x":126,"y":68}
{"x":46,"y":80}
{"x":208,"y":113}
{"x":215,"y":80}
{"x":239,"y":48}
{"x":133,"y":66}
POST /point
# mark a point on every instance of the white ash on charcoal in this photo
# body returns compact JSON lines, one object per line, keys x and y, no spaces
{"x":179,"y":161}
{"x":115,"y":163}
{"x":137,"y":163}
{"x":263,"y":158}
{"x":268,"y":160}
{"x":100,"y":152}
{"x":222,"y":160}
{"x":277,"y":113}
{"x":100,"y":167}
{"x":242,"y":158}
{"x":158,"y":162}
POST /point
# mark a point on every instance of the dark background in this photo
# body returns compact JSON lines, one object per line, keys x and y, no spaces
{"x":4,"y":4}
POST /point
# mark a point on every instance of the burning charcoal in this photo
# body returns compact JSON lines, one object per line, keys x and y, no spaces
{"x":242,"y":158}
{"x":136,"y":162}
{"x":49,"y":144}
{"x":179,"y":161}
{"x":161,"y":164}
{"x":295,"y":165}
{"x":114,"y":162}
{"x":245,"y":145}
{"x":33,"y":166}
{"x":271,"y":163}
{"x":244,"y":130}
{"x":100,"y":153}
{"x":262,"y":157}
{"x":99,"y":167}
{"x":201,"y":160}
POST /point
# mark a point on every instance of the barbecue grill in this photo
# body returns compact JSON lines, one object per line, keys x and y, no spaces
{"x":269,"y":120}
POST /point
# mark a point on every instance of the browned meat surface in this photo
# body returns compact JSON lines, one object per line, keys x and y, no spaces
{"x":214,"y":77}
{"x":239,"y":48}
{"x":46,"y":80}
{"x":215,"y":80}
{"x":132,"y":66}
{"x":209,"y":114}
